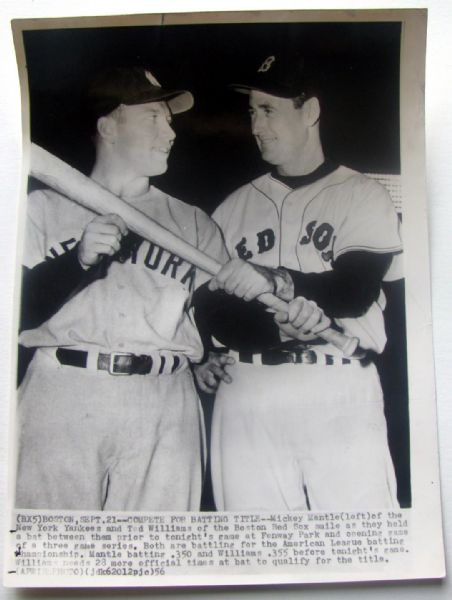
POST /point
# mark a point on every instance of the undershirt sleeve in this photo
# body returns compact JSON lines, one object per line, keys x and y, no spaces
{"x":348,"y":290}
{"x":52,"y":282}
{"x":47,"y":286}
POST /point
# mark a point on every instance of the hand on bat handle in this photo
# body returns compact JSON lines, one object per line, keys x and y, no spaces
{"x":101,"y":237}
{"x":299,"y":319}
{"x":84,"y":191}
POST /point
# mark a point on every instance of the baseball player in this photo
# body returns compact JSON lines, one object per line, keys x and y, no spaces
{"x":299,"y":426}
{"x":108,"y":414}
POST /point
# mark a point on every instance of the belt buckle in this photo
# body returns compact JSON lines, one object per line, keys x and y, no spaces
{"x":112,"y":363}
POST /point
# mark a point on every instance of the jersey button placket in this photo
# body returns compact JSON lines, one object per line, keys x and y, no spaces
{"x":288,"y":223}
{"x":121,"y":313}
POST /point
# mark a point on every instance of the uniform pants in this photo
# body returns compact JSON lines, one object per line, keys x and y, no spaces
{"x":90,"y":441}
{"x":301,"y":437}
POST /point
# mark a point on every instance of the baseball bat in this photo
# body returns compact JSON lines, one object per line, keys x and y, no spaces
{"x":66,"y":180}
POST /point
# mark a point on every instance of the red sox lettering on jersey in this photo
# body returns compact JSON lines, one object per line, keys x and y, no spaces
{"x":309,"y":227}
{"x":320,"y":234}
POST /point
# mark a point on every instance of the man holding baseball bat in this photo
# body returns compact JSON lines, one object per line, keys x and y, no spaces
{"x":300,"y":425}
{"x":108,"y":414}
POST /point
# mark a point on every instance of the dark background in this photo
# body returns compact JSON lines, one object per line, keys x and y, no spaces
{"x":357,"y":72}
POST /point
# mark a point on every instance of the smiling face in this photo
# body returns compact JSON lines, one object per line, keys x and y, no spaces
{"x":143,"y":138}
{"x":281,"y":131}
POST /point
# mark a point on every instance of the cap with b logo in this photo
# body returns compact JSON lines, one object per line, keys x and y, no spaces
{"x":129,"y":86}
{"x":278,"y":75}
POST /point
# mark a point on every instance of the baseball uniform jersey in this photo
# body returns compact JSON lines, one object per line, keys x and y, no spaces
{"x":312,"y":433}
{"x":89,"y":439}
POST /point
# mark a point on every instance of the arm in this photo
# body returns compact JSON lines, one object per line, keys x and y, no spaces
{"x":345,"y":291}
{"x":50,"y":283}
{"x":348,"y":290}
{"x":46,"y":286}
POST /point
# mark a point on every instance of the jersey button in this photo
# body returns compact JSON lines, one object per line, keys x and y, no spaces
{"x":121,"y":344}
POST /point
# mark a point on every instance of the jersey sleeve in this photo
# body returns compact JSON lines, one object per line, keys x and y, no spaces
{"x":371,"y":223}
{"x":210,"y":241}
{"x":34,"y":235}
{"x":221,"y":215}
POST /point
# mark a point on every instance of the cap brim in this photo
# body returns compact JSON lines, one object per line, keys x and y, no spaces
{"x":241,"y":88}
{"x":180,"y":101}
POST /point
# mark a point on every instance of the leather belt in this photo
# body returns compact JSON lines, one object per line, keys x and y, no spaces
{"x":120,"y":363}
{"x":280,"y":357}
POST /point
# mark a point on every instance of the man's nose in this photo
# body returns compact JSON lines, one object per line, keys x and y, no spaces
{"x":257,"y":123}
{"x":169,"y":132}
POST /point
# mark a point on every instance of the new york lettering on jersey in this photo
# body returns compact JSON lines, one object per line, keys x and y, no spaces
{"x":150,"y":255}
{"x":65,"y":222}
{"x":157,"y":259}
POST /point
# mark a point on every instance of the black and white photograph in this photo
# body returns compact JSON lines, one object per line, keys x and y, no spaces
{"x":213,"y":317}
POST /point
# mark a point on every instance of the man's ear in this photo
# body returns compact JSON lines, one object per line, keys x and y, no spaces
{"x":106,"y":128}
{"x":312,"y":110}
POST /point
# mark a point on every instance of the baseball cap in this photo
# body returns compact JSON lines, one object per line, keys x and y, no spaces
{"x":132,"y":85}
{"x":277,"y":74}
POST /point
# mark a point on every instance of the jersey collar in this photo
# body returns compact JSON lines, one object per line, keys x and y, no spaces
{"x":296,"y":181}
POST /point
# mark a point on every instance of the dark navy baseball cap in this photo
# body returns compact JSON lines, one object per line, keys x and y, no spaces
{"x":129,"y":86}
{"x":278,"y":75}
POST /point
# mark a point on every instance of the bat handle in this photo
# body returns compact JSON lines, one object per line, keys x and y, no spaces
{"x":348,"y":345}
